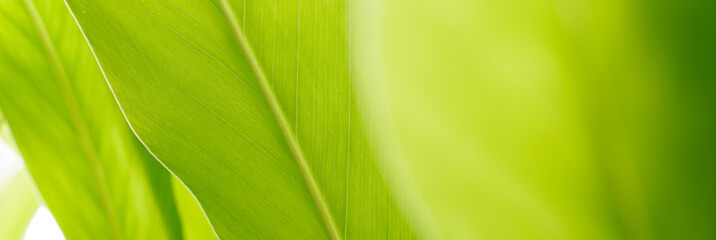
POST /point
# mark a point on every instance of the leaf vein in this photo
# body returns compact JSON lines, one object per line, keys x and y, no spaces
{"x":291,"y":140}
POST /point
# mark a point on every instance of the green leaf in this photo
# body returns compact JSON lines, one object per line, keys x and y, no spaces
{"x":94,"y":175}
{"x":17,"y":204}
{"x":252,"y":105}
{"x":17,"y":197}
{"x":5,"y":133}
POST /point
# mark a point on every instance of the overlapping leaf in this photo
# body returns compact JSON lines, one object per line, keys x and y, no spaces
{"x":251,"y":104}
{"x":95,"y":177}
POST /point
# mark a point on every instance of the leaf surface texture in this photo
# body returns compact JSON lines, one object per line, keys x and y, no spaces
{"x":94,"y":175}
{"x":251,"y":105}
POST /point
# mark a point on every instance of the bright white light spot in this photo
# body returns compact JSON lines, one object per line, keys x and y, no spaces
{"x":43,"y":226}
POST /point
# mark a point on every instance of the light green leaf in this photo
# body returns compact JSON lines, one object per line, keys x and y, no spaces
{"x":17,"y":198}
{"x":95,"y":177}
{"x":5,"y":133}
{"x":252,"y":105}
{"x":18,"y":201}
{"x":17,"y":205}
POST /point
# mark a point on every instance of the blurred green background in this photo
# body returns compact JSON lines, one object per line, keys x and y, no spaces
{"x":557,"y":119}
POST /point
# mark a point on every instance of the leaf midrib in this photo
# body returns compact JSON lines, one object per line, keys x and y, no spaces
{"x":289,"y":137}
{"x":77,"y":118}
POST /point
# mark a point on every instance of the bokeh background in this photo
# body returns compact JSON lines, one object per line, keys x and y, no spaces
{"x":557,"y":119}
